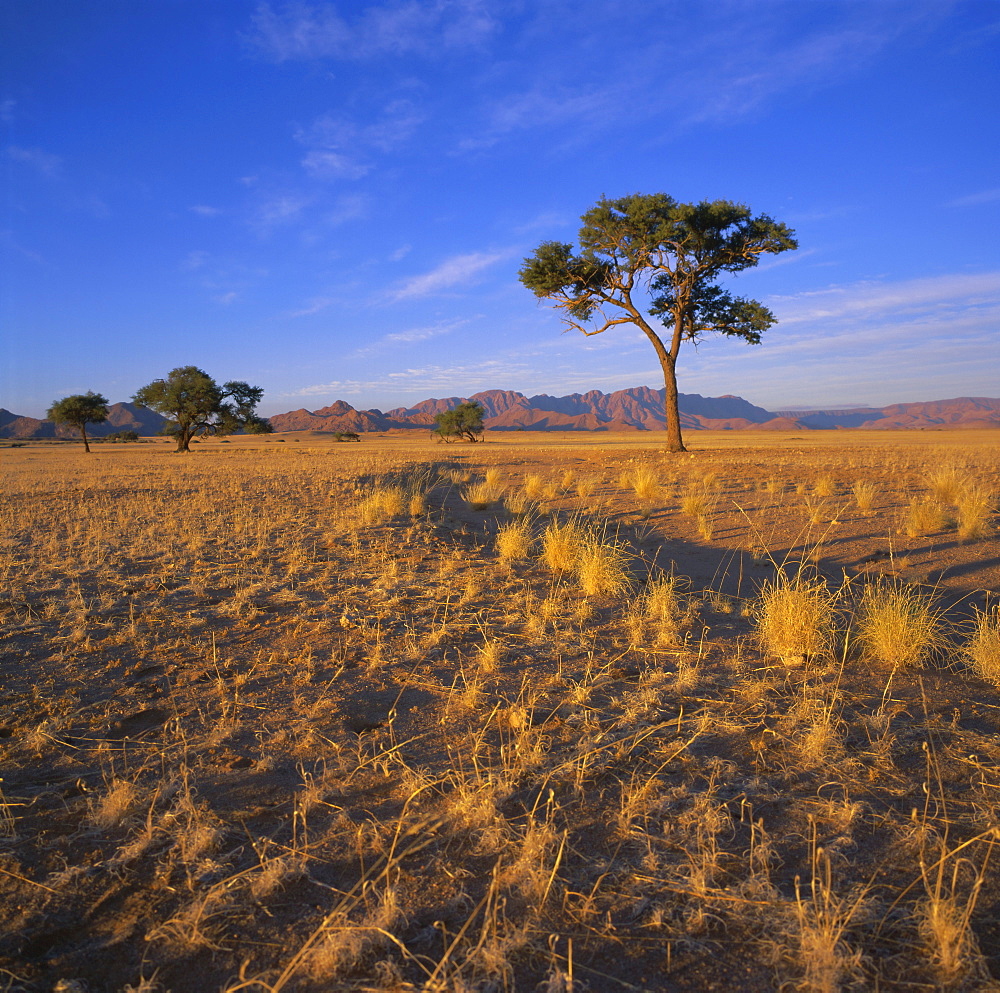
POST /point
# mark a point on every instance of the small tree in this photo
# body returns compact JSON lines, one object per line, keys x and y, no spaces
{"x":464,"y":421}
{"x":678,"y":251}
{"x":80,"y":410}
{"x":198,"y":405}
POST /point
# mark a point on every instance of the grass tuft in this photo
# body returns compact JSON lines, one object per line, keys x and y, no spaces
{"x":898,"y":626}
{"x":983,"y":649}
{"x":795,"y":617}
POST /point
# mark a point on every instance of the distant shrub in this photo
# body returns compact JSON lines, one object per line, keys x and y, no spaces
{"x":346,"y":436}
{"x":121,"y":436}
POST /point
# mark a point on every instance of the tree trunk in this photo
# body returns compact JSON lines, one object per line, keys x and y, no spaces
{"x":667,"y":363}
{"x":674,"y":441}
{"x":86,"y":444}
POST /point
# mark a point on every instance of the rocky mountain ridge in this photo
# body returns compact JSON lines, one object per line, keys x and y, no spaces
{"x":637,"y":409}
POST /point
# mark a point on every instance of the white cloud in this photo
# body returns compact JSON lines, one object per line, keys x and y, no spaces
{"x":338,"y":147}
{"x":904,"y":296}
{"x":314,"y":306}
{"x":321,"y":164}
{"x":413,"y":335}
{"x":318,"y":31}
{"x":451,"y":272}
{"x":203,"y":210}
{"x":977,"y":199}
{"x":347,"y":208}
{"x":195,"y":260}
{"x":400,"y":253}
{"x":35,"y":158}
{"x":281,"y":209}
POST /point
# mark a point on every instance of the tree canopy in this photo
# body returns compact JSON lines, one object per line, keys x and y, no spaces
{"x":198,"y":405}
{"x":80,"y":410}
{"x":671,"y":253}
{"x":464,"y":421}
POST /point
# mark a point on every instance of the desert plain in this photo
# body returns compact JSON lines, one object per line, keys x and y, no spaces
{"x":555,"y":712}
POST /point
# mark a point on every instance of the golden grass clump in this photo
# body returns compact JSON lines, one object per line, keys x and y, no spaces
{"x":518,"y":502}
{"x":514,"y":540}
{"x":924,"y":517}
{"x":382,"y":504}
{"x":945,"y":483}
{"x":661,"y":610}
{"x":898,"y":626}
{"x":864,"y":493}
{"x":585,"y":487}
{"x":534,"y":486}
{"x":983,"y":649}
{"x":975,"y":510}
{"x":562,"y":543}
{"x":825,"y":487}
{"x":697,"y":503}
{"x":644,"y":483}
{"x":479,"y":495}
{"x":796,"y":618}
{"x":602,"y":567}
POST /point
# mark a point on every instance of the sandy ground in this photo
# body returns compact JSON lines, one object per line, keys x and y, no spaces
{"x":256,"y":734}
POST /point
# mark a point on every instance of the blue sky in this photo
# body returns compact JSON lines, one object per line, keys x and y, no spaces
{"x":332,"y":200}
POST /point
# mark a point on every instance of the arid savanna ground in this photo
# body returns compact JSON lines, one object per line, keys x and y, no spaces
{"x":553,"y":712}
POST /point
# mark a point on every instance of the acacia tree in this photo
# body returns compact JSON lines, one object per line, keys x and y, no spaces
{"x":78,"y":411}
{"x":674,"y":253}
{"x":464,"y":421}
{"x":198,"y":405}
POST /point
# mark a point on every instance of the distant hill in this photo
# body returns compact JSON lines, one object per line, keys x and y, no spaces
{"x":121,"y":417}
{"x":637,"y":409}
{"x":641,"y":409}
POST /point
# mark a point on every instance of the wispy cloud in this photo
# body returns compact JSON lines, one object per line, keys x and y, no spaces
{"x":194,"y":260}
{"x":7,"y":110}
{"x":977,"y":199}
{"x":203,"y":210}
{"x":422,"y":381}
{"x":318,"y":31}
{"x":326,"y":164}
{"x":279,"y":209}
{"x":905,"y":296}
{"x":42,"y":162}
{"x":738,"y":58}
{"x":342,"y":149}
{"x":10,"y":243}
{"x":413,"y":335}
{"x":452,"y":272}
{"x":314,"y":306}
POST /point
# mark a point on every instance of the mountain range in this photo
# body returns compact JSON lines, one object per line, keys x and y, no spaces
{"x":641,"y":408}
{"x":637,"y":409}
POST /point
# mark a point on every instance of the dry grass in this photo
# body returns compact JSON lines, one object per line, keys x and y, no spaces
{"x":982,"y":650}
{"x":946,"y":483}
{"x":865,"y":493}
{"x":899,"y":626}
{"x":795,"y":617}
{"x":294,"y":718}
{"x":825,"y":487}
{"x":924,"y":517}
{"x":645,"y":483}
{"x":514,"y":540}
{"x":602,"y":566}
{"x":976,"y":505}
{"x":563,"y":542}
